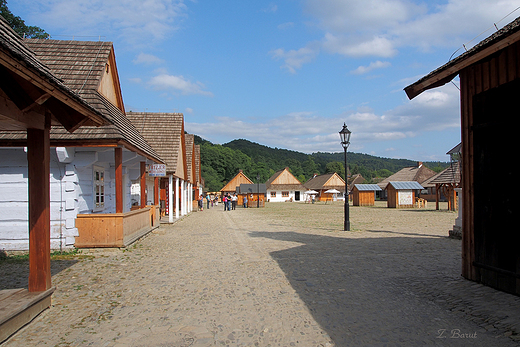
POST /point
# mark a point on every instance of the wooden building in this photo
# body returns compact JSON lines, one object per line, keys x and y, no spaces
{"x":364,"y":194}
{"x":256,"y":194}
{"x":283,"y":186}
{"x":101,"y":193}
{"x":445,"y":183}
{"x":489,"y":87}
{"x":32,"y":99}
{"x":402,"y":194}
{"x":231,"y":186}
{"x":165,"y":133}
{"x":322,"y":183}
{"x":419,"y":174}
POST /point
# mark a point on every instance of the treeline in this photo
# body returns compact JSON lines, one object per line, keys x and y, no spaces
{"x":220,"y":163}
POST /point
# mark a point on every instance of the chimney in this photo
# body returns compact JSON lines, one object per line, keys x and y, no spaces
{"x":419,"y":164}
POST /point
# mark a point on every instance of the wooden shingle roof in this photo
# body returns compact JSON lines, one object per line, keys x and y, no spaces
{"x":418,"y":173}
{"x":165,"y":133}
{"x":21,"y":59}
{"x":326,"y":181}
{"x":189,"y":140}
{"x":81,"y":64}
{"x":500,"y":39}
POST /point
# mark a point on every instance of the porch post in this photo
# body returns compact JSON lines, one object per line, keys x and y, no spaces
{"x":38,"y":160}
{"x":177,"y":198}
{"x":170,"y":198}
{"x":118,"y":154}
{"x":143,"y":184}
{"x":156,"y":191}
{"x":190,"y":198}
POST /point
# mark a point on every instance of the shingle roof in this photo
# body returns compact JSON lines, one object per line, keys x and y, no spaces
{"x":417,"y":173}
{"x":319,"y":182}
{"x":189,"y":140}
{"x":80,"y":65}
{"x":14,"y":45}
{"x":448,"y":71}
{"x":164,"y":132}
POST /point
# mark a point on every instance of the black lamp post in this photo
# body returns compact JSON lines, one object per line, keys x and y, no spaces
{"x":344,"y":134}
{"x":258,"y":191}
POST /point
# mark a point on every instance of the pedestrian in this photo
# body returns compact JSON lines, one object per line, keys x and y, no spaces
{"x":208,"y":198}
{"x":245,"y":201}
{"x":228,"y":196}
{"x":224,"y":201}
{"x":234,"y":200}
{"x":201,"y":204}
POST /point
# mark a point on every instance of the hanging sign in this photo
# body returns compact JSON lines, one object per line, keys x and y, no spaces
{"x":157,"y":170}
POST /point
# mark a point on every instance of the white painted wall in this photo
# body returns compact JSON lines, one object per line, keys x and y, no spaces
{"x":279,"y":197}
{"x":71,"y":192}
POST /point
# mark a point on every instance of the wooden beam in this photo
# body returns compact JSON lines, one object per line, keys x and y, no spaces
{"x":38,"y":160}
{"x":143,"y":184}
{"x":118,"y":153}
{"x":156,"y":191}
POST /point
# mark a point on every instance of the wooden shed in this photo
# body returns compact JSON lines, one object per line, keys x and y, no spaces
{"x":489,"y":87}
{"x":402,"y":194}
{"x":364,"y":194}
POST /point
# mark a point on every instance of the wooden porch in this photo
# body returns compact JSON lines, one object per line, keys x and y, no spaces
{"x":18,"y":307}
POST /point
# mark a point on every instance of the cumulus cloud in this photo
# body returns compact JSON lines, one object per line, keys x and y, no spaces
{"x":148,"y":59}
{"x":372,"y":66}
{"x":295,"y":58}
{"x":138,"y":22}
{"x":381,"y":28}
{"x":178,"y":84}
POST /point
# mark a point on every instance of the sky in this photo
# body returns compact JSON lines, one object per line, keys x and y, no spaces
{"x":288,"y":74}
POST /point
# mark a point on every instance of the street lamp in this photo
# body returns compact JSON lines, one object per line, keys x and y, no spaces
{"x":344,"y":134}
{"x":258,"y":191}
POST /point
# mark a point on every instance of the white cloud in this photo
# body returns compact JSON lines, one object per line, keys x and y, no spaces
{"x":372,"y":66}
{"x":178,"y":84}
{"x":294,"y":59}
{"x":137,"y":22}
{"x":144,"y":58}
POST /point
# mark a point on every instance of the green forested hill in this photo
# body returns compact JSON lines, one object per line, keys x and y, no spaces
{"x":220,"y":163}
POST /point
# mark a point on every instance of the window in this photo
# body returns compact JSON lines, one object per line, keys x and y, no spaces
{"x":99,"y":188}
{"x":285,"y":194}
{"x":273,"y":194}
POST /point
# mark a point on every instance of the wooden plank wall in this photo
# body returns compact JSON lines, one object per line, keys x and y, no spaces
{"x":500,"y":68}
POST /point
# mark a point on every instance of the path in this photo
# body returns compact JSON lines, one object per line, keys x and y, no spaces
{"x":242,"y":278}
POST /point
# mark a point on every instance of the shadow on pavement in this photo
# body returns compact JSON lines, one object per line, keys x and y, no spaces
{"x":374,"y":291}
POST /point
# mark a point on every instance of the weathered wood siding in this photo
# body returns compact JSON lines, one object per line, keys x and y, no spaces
{"x":489,"y":131}
{"x":363,"y":198}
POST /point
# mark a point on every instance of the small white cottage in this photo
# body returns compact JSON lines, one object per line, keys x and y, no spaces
{"x":283,"y":186}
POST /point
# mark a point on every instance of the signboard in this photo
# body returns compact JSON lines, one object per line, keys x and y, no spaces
{"x":157,"y":170}
{"x":405,"y":197}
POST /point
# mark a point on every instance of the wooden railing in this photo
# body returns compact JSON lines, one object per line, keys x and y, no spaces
{"x":115,"y":229}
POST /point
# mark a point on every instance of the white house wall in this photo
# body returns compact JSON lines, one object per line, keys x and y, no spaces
{"x":279,"y":197}
{"x":71,"y":193}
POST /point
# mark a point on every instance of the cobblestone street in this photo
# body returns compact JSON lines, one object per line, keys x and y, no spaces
{"x":284,"y":275}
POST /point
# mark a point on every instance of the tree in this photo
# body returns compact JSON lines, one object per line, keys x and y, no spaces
{"x":19,"y":26}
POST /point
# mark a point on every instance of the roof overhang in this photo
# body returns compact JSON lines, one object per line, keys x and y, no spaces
{"x":496,"y":42}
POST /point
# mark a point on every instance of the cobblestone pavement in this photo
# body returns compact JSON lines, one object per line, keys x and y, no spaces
{"x":242,"y":278}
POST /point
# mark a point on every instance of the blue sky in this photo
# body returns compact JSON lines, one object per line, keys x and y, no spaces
{"x":287,"y":74}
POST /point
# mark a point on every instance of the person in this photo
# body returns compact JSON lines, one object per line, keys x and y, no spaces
{"x":228,"y":196}
{"x":208,"y":198}
{"x":201,"y":204}
{"x":224,"y":201}
{"x":245,"y":201}
{"x":234,"y":200}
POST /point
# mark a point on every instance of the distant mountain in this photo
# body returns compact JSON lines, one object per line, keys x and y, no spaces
{"x":220,"y":163}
